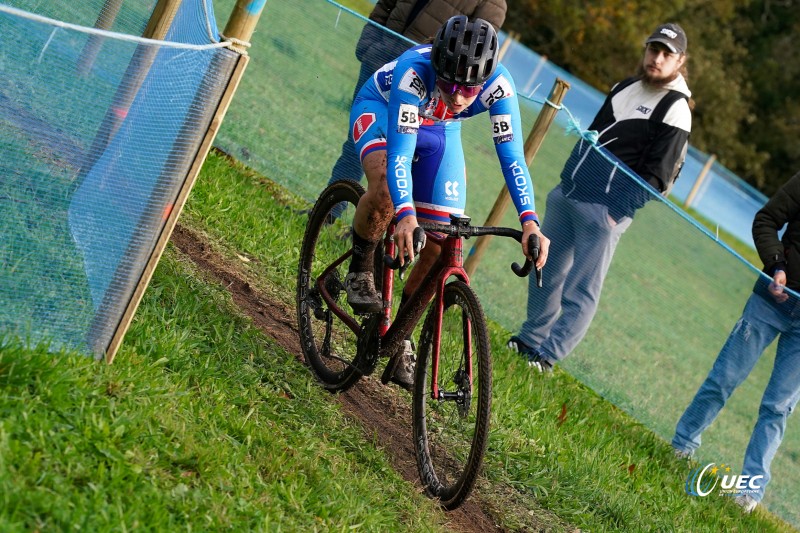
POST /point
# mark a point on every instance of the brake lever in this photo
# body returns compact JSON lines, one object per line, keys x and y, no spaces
{"x":394,"y":262}
{"x":534,"y":249}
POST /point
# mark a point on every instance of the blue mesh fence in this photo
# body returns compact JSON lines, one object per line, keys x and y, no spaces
{"x":674,"y":290}
{"x":723,"y":199}
{"x":94,"y":157}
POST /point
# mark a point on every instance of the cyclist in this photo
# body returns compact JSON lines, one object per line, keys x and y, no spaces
{"x":406,"y":123}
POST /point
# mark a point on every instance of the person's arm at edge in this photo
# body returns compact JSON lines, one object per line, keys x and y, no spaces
{"x":783,"y":206}
{"x":492,"y":11}
{"x":382,"y":10}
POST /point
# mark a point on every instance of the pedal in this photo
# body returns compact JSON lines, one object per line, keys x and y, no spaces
{"x":314,"y":301}
{"x":391,"y":366}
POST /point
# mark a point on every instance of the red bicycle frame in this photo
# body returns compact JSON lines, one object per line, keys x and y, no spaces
{"x":450,"y":263}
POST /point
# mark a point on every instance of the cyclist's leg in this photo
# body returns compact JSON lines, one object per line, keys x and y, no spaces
{"x":440,"y":187}
{"x":374,"y":210}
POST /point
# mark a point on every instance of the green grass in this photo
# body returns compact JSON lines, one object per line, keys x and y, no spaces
{"x":580,"y":469}
{"x":43,"y":278}
{"x":201,"y":423}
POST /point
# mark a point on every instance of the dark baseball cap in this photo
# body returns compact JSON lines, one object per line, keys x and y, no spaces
{"x":671,"y":35}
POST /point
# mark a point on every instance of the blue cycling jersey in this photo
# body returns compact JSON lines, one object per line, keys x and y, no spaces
{"x":402,"y":97}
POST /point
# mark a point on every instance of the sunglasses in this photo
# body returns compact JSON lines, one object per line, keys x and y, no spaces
{"x":468,"y":91}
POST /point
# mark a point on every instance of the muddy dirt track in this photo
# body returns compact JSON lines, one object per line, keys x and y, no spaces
{"x":380,"y":410}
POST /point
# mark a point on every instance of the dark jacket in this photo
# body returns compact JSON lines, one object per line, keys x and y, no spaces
{"x":780,"y":254}
{"x":632,"y":138}
{"x":376,"y":46}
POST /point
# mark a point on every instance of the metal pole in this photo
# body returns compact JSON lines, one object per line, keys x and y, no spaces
{"x":532,"y":145}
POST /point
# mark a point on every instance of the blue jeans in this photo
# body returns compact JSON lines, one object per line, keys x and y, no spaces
{"x":762,"y":320}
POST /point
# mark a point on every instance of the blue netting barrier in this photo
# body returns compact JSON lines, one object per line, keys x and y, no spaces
{"x":94,"y":158}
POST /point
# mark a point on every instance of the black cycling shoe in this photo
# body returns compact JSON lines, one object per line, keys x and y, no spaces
{"x":532,"y":355}
{"x":361,"y":293}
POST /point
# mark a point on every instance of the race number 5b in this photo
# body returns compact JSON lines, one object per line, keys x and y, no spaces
{"x":501,"y":128}
{"x":408,"y":118}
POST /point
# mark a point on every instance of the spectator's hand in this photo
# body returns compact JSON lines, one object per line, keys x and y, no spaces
{"x":777,"y":285}
{"x":531,"y":227}
{"x":611,"y":221}
{"x":404,"y":238}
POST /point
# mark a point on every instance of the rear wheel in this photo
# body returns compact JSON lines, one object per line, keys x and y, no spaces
{"x":451,"y":431}
{"x":329,"y":343}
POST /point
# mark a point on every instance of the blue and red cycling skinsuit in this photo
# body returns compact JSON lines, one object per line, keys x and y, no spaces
{"x":400,"y":110}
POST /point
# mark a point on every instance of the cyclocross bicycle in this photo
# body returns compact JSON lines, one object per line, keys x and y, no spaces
{"x":452,"y":391}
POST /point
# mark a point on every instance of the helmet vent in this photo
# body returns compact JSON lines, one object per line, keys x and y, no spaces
{"x":464,"y":52}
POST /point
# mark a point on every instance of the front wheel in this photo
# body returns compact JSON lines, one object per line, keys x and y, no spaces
{"x":451,"y":431}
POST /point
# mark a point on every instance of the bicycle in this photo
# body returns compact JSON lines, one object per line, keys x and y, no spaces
{"x":453,"y":378}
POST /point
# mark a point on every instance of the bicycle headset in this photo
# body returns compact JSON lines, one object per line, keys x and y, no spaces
{"x":465,"y":52}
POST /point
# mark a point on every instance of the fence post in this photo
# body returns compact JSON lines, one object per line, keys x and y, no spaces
{"x":242,"y":23}
{"x":239,"y":30}
{"x":511,"y":37}
{"x":699,"y":181}
{"x":104,"y":22}
{"x":532,"y":145}
{"x":143,"y":57}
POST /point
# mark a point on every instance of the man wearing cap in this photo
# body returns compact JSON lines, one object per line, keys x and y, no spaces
{"x":643,"y":128}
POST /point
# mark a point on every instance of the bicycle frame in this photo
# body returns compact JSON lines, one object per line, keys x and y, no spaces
{"x":449,"y":263}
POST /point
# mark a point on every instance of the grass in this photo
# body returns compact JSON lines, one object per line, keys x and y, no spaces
{"x":201,"y":424}
{"x":574,"y":454}
{"x":47,"y":288}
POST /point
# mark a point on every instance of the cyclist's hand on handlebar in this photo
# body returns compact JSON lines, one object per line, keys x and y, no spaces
{"x":404,"y":238}
{"x":529,"y":228}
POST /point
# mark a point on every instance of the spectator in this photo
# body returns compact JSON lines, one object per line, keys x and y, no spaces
{"x":770,"y":312}
{"x":644,"y":124}
{"x":417,"y":20}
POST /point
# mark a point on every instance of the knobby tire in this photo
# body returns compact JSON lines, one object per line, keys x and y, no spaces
{"x":328,"y":345}
{"x":450,"y":441}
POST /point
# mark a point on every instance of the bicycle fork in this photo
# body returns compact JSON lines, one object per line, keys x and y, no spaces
{"x":449,"y":263}
{"x":452,"y":257}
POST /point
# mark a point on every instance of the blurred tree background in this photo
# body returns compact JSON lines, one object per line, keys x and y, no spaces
{"x":744,"y":67}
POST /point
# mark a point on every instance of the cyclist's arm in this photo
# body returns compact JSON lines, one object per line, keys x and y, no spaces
{"x":407,"y":92}
{"x":499,"y":97}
